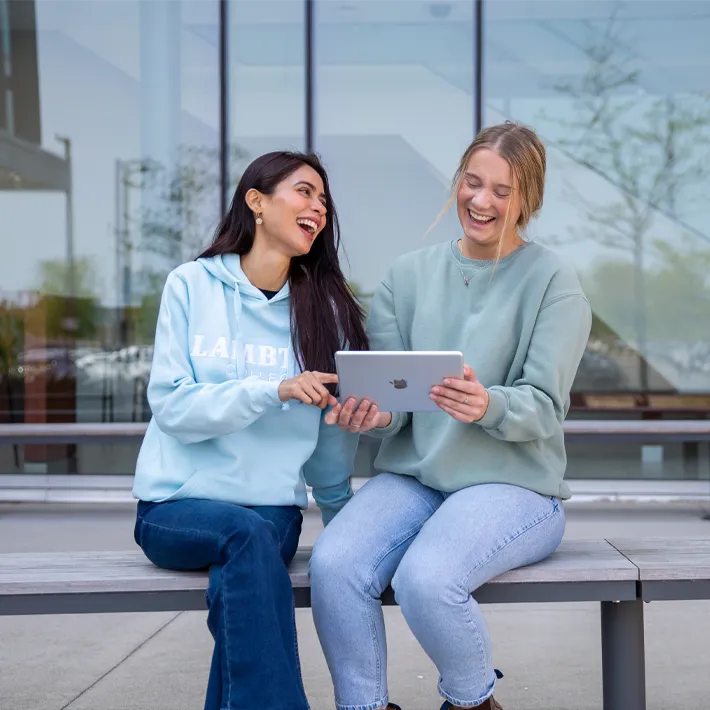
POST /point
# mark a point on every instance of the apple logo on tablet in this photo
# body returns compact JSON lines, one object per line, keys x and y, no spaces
{"x":399,"y":384}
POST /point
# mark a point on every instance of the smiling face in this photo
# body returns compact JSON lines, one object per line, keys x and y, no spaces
{"x":294,"y":214}
{"x":485,"y":195}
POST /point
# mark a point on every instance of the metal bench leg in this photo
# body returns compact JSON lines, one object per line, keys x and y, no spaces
{"x":623,"y":656}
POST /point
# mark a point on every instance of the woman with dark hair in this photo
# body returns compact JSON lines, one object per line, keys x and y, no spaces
{"x":243,"y":362}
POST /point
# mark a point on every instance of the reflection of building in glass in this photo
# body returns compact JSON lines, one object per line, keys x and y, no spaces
{"x":123,"y":126}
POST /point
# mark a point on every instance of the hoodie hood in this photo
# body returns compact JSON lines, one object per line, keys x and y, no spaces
{"x":228,"y":269}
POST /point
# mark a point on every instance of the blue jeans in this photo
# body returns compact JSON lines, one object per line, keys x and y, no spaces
{"x":435,"y":549}
{"x":250,"y":599}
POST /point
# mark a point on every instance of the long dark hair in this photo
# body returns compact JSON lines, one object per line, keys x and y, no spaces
{"x":325,"y":315}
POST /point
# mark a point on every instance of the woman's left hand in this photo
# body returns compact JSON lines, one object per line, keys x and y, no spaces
{"x":465,"y":400}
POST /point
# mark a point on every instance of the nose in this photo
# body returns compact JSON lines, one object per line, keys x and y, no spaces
{"x":319,"y":207}
{"x":481,"y":199}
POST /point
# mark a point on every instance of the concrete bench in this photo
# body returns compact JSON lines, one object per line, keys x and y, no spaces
{"x":587,"y":570}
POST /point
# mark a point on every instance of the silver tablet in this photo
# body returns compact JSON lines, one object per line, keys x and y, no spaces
{"x":396,"y":381}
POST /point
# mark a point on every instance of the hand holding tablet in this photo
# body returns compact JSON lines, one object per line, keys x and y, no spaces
{"x":464,"y":399}
{"x":357,"y":417}
{"x":374,"y":383}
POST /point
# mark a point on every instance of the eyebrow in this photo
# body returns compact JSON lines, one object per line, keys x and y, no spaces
{"x":311,"y":185}
{"x":473,"y":175}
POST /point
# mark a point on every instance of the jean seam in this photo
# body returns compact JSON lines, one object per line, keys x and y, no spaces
{"x":370,"y":706}
{"x":511,"y":539}
{"x":290,"y":527}
{"x":506,"y":542}
{"x":298,"y":655}
{"x":464,"y":703}
{"x":193,"y":531}
{"x":398,"y":543}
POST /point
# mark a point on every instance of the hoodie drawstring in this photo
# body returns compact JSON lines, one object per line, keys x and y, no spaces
{"x":241,"y":365}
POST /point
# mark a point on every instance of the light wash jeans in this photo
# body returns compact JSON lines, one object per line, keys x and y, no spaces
{"x":435,"y":549}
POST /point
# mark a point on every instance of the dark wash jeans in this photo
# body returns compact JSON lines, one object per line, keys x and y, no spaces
{"x":255,"y":662}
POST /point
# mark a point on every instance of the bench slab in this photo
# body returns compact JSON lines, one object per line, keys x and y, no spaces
{"x":669,"y":568}
{"x":85,"y":582}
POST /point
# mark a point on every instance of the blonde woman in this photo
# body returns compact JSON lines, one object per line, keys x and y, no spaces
{"x":475,"y":490}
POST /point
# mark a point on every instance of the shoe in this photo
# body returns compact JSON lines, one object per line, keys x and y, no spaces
{"x":490,"y":704}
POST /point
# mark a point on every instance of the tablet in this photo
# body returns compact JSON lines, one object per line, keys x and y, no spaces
{"x":397,"y":381}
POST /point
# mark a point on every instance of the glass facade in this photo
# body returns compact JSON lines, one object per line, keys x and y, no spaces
{"x":125,"y":124}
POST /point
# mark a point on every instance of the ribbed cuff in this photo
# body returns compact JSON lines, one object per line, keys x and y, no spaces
{"x":270,"y":393}
{"x":399,"y":419}
{"x":497,"y":409}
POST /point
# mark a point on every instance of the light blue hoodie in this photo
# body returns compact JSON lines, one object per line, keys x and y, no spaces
{"x":219,"y":430}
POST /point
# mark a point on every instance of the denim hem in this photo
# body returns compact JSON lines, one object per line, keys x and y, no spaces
{"x":371,"y":706}
{"x":466,"y":703}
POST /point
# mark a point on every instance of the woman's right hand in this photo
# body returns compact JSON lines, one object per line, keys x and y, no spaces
{"x":309,"y":388}
{"x":364,"y":418}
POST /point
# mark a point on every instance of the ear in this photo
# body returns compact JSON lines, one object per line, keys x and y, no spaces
{"x":254,"y":200}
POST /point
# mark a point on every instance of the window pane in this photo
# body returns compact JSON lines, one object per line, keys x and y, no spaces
{"x":267,"y":85}
{"x":620,"y":92}
{"x":109,"y":170}
{"x":393,"y":114}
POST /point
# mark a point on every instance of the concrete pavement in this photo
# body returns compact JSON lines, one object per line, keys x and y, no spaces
{"x":550,"y":654}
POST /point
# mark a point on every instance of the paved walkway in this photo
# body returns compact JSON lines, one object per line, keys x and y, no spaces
{"x":550,"y":654}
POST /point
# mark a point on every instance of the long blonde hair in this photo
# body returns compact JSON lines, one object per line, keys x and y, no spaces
{"x":521,"y":148}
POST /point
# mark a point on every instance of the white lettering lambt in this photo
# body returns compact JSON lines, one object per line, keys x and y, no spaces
{"x":196,"y":346}
{"x":284,"y":352}
{"x":267,"y":356}
{"x":220,"y":348}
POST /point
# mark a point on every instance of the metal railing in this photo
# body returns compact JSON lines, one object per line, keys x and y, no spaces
{"x":676,"y":430}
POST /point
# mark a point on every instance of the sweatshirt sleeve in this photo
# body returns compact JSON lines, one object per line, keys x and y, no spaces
{"x":534,"y":406}
{"x":330,"y":467}
{"x":188,"y":410}
{"x":384,"y":334}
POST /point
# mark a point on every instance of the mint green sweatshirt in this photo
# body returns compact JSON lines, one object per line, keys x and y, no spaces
{"x":522,"y":328}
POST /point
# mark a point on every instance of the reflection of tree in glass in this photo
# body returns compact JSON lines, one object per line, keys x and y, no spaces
{"x":649,"y":148}
{"x":678,"y":299}
{"x":54,"y":294}
{"x":180,"y":208}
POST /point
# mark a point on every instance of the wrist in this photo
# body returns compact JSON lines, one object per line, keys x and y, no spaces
{"x":384,"y":419}
{"x":282,"y":391}
{"x":484,"y":409}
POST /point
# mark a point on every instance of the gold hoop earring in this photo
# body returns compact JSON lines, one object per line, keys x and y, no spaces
{"x":259,"y":220}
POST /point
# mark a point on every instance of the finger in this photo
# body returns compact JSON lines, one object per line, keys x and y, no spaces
{"x":312,"y":392}
{"x":468,"y":373}
{"x":300,"y":394}
{"x":326,"y":377}
{"x":454,"y":395}
{"x":461,"y":385}
{"x":359,"y":414}
{"x":455,"y":414}
{"x":326,"y":397}
{"x":333,"y":414}
{"x":346,"y":412}
{"x":370,"y":420}
{"x":459,"y":402}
